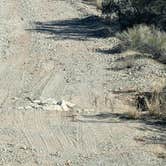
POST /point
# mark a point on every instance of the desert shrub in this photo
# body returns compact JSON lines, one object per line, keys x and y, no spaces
{"x":99,"y":4}
{"x":153,"y":102}
{"x":133,"y":114}
{"x":145,"y":40}
{"x":132,"y":12}
{"x":156,"y":7}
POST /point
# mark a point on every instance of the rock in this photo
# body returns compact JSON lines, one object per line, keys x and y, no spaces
{"x":23,"y":147}
{"x":20,"y":108}
{"x":51,"y":104}
{"x":50,"y":101}
{"x":68,"y":163}
{"x":37,"y":101}
{"x":28,"y":107}
{"x":52,"y":108}
{"x":33,"y":105}
{"x":78,"y":110}
{"x":63,"y":105}
{"x":71,"y":105}
{"x":14,"y":98}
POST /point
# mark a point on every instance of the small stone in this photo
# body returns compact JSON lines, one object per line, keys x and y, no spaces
{"x":86,"y":110}
{"x":63,"y":105}
{"x":49,"y":101}
{"x":57,"y":164}
{"x":36,"y":106}
{"x":52,"y":108}
{"x":37,"y":101}
{"x":71,"y":105}
{"x":23,"y":147}
{"x":28,"y":107}
{"x":68,"y":163}
{"x":130,"y":73}
{"x":20,"y":108}
{"x":57,"y":154}
{"x":14,"y":98}
{"x":54,"y":102}
{"x":79,"y":110}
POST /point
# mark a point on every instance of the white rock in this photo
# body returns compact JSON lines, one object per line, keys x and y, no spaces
{"x":54,"y":102}
{"x":71,"y":105}
{"x":20,"y":108}
{"x":79,"y":110}
{"x":50,"y":101}
{"x":86,"y":110}
{"x":15,"y":98}
{"x":28,"y":107}
{"x":37,"y":101}
{"x":23,"y":147}
{"x":63,"y":105}
{"x":52,"y":108}
{"x":33,"y":105}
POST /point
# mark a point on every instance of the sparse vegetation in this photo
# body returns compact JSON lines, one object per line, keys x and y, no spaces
{"x":132,"y":12}
{"x":133,"y":114}
{"x":99,"y":4}
{"x":151,"y":41}
{"x":142,"y":30}
{"x":153,"y":102}
{"x":145,"y":40}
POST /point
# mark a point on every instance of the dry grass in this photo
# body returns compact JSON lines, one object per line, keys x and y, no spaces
{"x":133,"y":114}
{"x":99,"y":4}
{"x":155,"y":106}
{"x":153,"y":102}
{"x":145,"y":40}
{"x":159,"y":150}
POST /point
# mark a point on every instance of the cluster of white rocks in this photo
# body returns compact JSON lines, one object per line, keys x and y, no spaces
{"x":50,"y":104}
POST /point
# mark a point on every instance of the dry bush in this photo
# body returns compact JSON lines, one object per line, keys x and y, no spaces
{"x":99,"y":4}
{"x":153,"y":102}
{"x":133,"y":12}
{"x":145,"y":40}
{"x":133,"y":114}
{"x":125,"y":64}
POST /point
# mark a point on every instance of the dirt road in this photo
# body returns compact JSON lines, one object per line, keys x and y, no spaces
{"x":49,"y":49}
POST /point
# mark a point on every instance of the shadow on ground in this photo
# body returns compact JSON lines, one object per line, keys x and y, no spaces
{"x":114,"y":50}
{"x":76,"y":28}
{"x":89,"y":2}
{"x":121,"y":118}
{"x":156,"y":127}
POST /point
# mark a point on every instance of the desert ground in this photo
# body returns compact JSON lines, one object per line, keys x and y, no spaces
{"x":59,"y":84}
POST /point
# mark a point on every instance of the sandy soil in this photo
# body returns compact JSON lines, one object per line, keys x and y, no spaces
{"x":51,"y":49}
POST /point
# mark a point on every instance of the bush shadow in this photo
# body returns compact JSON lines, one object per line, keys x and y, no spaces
{"x":121,"y":118}
{"x":157,"y":127}
{"x":75,"y":29}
